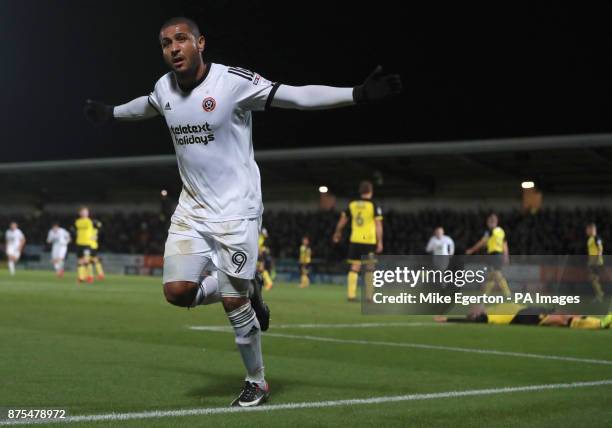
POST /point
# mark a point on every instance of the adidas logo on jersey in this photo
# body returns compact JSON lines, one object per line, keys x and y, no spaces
{"x":167,"y":106}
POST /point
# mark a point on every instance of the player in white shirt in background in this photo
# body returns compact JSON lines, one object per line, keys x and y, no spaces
{"x":208,"y":109}
{"x":442,"y":247}
{"x":15,"y":241}
{"x":59,"y":238}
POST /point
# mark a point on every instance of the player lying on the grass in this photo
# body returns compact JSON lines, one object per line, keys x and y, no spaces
{"x":207,"y":107}
{"x":531,"y":315}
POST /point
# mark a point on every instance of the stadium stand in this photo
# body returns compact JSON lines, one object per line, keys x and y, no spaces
{"x":550,"y":231}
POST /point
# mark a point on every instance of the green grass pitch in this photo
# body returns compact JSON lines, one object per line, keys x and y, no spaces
{"x":117,"y":347}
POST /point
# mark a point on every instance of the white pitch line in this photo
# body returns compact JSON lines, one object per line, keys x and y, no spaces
{"x":440,"y":348}
{"x":331,"y":326}
{"x":419,"y":346}
{"x":310,"y":405}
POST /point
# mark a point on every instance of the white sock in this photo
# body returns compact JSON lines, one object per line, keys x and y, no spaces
{"x":11,"y":266}
{"x":208,"y":292}
{"x":56,"y":266}
{"x":61,"y":264}
{"x":248,"y":339}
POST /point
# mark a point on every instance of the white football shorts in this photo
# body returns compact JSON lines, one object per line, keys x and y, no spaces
{"x":13,"y":251}
{"x":58,"y":252}
{"x":229,"y":246}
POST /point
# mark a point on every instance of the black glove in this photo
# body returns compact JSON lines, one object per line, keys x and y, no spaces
{"x":377,"y":87}
{"x":98,"y":113}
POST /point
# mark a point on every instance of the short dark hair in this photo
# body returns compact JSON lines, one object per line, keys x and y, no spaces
{"x":193,"y":27}
{"x":365,"y":187}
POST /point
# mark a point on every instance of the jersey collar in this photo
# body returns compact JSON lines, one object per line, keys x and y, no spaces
{"x":198,"y":82}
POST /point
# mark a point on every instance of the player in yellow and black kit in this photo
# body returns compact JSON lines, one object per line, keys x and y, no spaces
{"x":494,"y":239}
{"x":305,"y":259}
{"x":264,"y":259}
{"x":84,"y":230}
{"x":595,"y":259}
{"x":366,"y":237}
{"x":530,"y":315}
{"x":94,"y":260}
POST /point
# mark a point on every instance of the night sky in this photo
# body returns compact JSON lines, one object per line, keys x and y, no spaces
{"x":469,"y":72}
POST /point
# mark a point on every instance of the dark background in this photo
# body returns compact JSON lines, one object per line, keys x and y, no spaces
{"x":469,"y":71}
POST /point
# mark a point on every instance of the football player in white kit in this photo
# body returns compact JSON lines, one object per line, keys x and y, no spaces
{"x":208,"y":109}
{"x":15,"y":241}
{"x":59,"y":238}
{"x":442,"y":247}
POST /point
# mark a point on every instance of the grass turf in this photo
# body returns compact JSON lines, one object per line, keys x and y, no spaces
{"x":117,"y":346}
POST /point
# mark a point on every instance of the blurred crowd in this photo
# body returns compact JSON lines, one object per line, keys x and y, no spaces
{"x":550,"y":231}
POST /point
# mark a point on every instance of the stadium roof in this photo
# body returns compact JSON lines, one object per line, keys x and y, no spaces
{"x":558,"y":164}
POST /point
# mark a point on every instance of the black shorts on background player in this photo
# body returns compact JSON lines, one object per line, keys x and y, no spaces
{"x":531,"y":315}
{"x":83,"y":251}
{"x":495,"y":261}
{"x":357,"y":251}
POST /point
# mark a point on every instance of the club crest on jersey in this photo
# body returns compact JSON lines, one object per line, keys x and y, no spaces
{"x":209,"y":104}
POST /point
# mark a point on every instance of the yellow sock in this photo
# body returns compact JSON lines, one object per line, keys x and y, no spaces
{"x":99,"y":269}
{"x":368,"y":278}
{"x":352,"y":279}
{"x":267,"y":280}
{"x":503,"y":284}
{"x":597,"y":287}
{"x":304,"y":281}
{"x":90,"y":270}
{"x":82,"y":272}
{"x":586,"y":323}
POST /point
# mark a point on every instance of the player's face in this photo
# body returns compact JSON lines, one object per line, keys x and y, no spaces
{"x":439,"y":232}
{"x":181,"y":50}
{"x":84,"y":212}
{"x":591,"y":231}
{"x":305,"y":241}
{"x":13,"y":226}
{"x":492,"y":221}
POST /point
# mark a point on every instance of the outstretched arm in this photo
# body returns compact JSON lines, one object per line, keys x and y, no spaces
{"x":377,"y":87}
{"x":138,"y":109}
{"x":477,"y":246}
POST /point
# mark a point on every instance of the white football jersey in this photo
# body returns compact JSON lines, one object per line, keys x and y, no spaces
{"x":58,"y":237}
{"x":211,"y":128}
{"x":443,"y":246}
{"x":14,"y":237}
